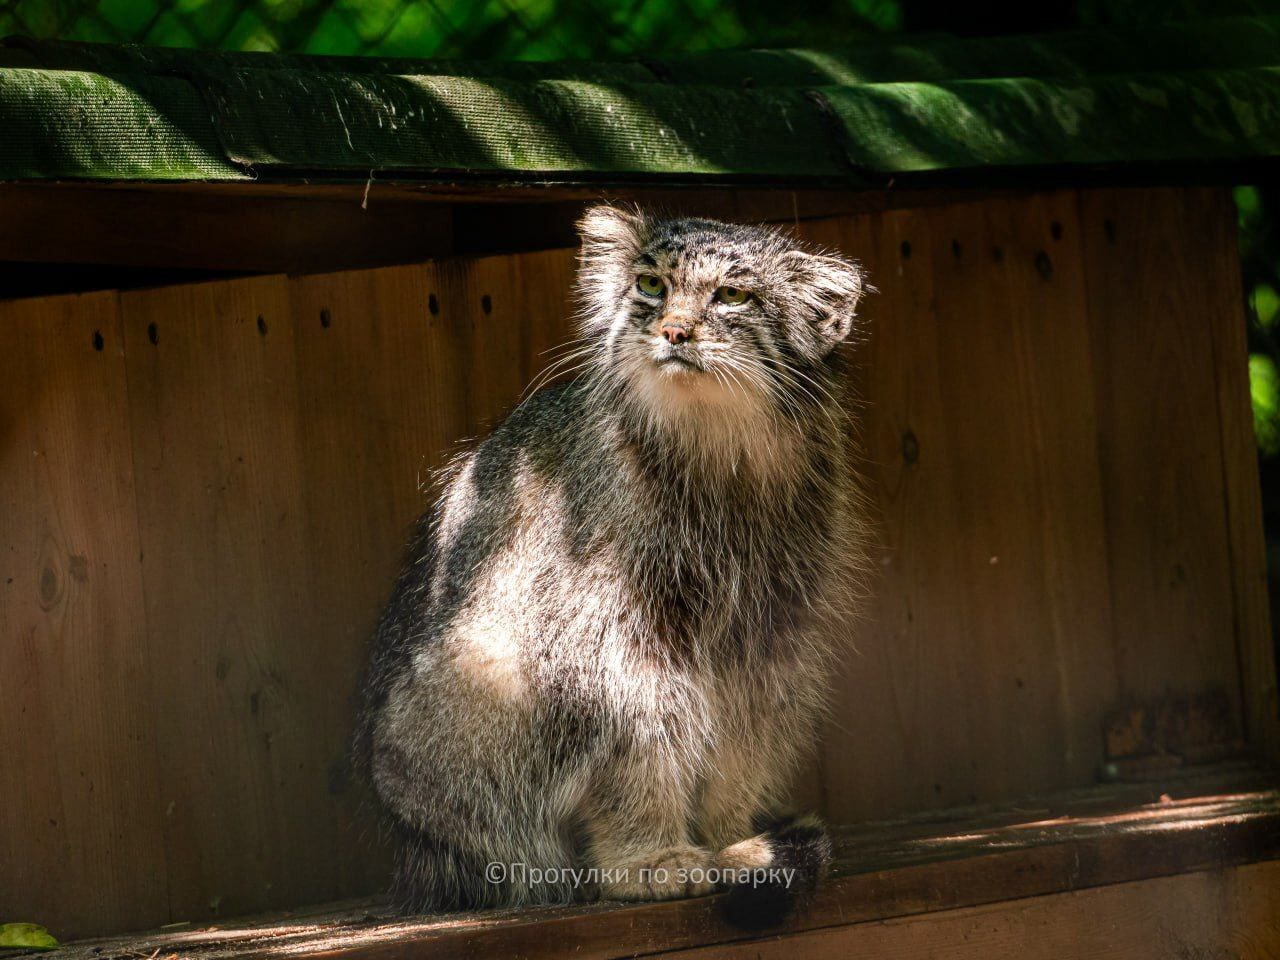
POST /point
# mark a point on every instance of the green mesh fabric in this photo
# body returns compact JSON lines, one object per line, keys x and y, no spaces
{"x":1202,"y":92}
{"x":359,"y":122}
{"x":1139,"y":118}
{"x":1228,"y":43}
{"x":71,"y":125}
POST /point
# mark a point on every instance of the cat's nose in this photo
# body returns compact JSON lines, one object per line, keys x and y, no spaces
{"x":675,"y":332}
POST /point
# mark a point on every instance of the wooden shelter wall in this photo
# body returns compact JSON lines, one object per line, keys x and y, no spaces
{"x":205,"y":490}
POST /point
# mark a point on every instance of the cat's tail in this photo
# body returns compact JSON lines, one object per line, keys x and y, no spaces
{"x":774,"y":874}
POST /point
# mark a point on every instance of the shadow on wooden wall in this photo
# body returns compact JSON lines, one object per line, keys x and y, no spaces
{"x":205,"y":490}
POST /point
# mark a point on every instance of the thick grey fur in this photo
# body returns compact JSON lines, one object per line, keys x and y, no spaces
{"x":611,"y":643}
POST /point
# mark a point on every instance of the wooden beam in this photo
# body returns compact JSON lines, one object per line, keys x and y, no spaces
{"x":1037,"y":847}
{"x":1233,"y":913}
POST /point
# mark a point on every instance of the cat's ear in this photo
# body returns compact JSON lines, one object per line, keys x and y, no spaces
{"x":611,"y":240}
{"x":829,"y":288}
{"x":609,"y":230}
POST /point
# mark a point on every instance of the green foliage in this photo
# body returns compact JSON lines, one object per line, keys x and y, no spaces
{"x":1259,"y":215}
{"x":25,"y":936}
{"x":1264,"y":302}
{"x":1264,"y":386}
{"x":473,"y":29}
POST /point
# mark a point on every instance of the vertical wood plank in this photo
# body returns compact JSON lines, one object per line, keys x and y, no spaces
{"x":1152,"y":315}
{"x":514,"y":308}
{"x":380,"y":393}
{"x":1038,"y":242}
{"x":213,"y":403}
{"x":483,"y":293}
{"x":80,"y":842}
{"x":542,"y":284}
{"x":877,"y":749}
{"x":984,"y":665}
{"x":1221,"y":264}
{"x":999,"y":614}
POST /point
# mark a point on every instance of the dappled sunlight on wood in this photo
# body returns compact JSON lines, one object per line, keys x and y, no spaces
{"x":942,"y":860}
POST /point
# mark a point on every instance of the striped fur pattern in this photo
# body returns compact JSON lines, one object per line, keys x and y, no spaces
{"x":608,"y":649}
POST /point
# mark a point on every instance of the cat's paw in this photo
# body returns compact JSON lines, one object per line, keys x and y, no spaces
{"x":665,"y":874}
{"x":772,"y":875}
{"x":745,"y":855}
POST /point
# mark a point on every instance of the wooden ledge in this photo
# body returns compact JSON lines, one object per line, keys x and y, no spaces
{"x":1105,"y":835}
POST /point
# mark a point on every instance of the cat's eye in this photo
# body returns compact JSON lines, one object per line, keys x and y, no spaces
{"x":651,"y":285}
{"x":732,"y":296}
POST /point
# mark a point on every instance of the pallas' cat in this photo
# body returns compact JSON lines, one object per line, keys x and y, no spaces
{"x":608,"y":648}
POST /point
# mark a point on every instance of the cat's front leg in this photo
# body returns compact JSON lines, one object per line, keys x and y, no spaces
{"x":750,"y":765}
{"x":741,"y":787}
{"x":638,"y":830}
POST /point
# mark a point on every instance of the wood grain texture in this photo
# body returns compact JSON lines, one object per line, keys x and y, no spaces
{"x":992,"y":607}
{"x":380,"y":403}
{"x":244,"y":778}
{"x":80,"y":842}
{"x":485,"y":294}
{"x":1154,"y":301}
{"x":1055,"y":435}
{"x":911,"y":867}
{"x":542,"y":289}
{"x":1222,"y":913}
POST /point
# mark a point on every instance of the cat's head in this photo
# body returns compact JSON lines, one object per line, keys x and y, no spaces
{"x":697,"y":313}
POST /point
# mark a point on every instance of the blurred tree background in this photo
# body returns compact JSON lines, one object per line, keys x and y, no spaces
{"x":606,"y":29}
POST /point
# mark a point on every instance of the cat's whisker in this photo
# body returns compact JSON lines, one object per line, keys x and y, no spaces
{"x":756,"y":377}
{"x":821,"y":387}
{"x":556,"y":368}
{"x":572,"y":341}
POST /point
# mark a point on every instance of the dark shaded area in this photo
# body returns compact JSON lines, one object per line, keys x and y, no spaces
{"x":988,"y":19}
{"x":1260,"y":270}
{"x":45,"y":279}
{"x":799,"y":844}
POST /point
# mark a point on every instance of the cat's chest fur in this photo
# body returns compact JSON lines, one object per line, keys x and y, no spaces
{"x":723,"y":565}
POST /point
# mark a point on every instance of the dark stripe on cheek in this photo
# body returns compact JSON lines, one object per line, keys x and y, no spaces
{"x":788,"y":351}
{"x":757,"y":341}
{"x":642,"y":314}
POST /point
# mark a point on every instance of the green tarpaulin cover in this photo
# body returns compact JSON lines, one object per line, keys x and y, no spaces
{"x":1180,"y":93}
